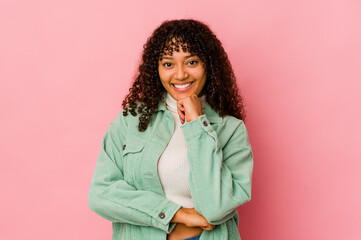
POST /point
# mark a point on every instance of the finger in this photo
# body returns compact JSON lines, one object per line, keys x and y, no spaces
{"x":181,"y":111}
{"x":180,"y":106}
{"x":209,"y":228}
{"x":181,"y":115}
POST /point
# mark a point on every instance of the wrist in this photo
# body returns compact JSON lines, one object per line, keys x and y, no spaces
{"x":178,"y":216}
{"x":192,"y":118}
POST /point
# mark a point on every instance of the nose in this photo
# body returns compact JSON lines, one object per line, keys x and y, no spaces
{"x":180,"y":73}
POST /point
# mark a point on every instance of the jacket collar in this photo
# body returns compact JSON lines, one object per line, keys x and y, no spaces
{"x":211,"y":114}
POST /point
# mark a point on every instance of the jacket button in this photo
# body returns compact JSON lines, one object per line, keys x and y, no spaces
{"x":205,"y":123}
{"x":161,"y":215}
{"x":124,"y":146}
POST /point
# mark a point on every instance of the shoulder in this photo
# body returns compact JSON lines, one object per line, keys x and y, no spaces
{"x":129,"y":124}
{"x":124,"y":123}
{"x":232,"y":129}
{"x":127,"y":118}
{"x":231,"y":121}
{"x":227,"y":121}
{"x":229,"y":124}
{"x":237,"y":130}
{"x":224,"y":122}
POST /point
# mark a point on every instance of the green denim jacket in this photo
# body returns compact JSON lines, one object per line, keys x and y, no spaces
{"x":126,"y":189}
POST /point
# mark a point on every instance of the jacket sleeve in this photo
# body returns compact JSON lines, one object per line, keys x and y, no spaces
{"x":220,"y":176}
{"x":113,"y":198}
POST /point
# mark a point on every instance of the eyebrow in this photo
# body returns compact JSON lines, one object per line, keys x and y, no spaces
{"x":186,"y":57}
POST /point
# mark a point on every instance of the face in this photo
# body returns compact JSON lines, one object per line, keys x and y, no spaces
{"x":182,"y":74}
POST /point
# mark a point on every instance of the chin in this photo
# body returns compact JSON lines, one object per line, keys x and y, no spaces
{"x":178,"y":96}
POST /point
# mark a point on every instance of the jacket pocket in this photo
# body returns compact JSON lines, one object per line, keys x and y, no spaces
{"x":132,"y":151}
{"x":131,"y":148}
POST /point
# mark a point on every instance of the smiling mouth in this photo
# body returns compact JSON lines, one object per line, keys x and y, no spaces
{"x":182,"y":86}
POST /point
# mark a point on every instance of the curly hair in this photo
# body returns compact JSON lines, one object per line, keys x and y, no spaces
{"x":196,"y":38}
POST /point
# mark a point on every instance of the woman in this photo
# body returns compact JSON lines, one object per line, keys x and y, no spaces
{"x":180,"y":163}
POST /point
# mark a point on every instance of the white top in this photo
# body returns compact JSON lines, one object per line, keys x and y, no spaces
{"x":173,"y":164}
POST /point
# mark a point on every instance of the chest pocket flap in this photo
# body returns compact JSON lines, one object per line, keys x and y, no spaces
{"x":132,"y":146}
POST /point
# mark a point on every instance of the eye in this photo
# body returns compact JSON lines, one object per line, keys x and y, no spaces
{"x":192,"y":62}
{"x":167,"y":64}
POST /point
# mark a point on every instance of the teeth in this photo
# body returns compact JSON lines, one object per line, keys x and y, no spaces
{"x":182,"y":86}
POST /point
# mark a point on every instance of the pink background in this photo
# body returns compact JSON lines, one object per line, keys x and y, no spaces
{"x":66,"y":65}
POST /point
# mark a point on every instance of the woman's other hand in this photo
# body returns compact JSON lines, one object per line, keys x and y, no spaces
{"x":189,"y":108}
{"x":191,"y":218}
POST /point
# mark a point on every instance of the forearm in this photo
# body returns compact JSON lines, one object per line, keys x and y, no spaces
{"x":113,"y":198}
{"x":121,"y":204}
{"x":222,"y":173}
